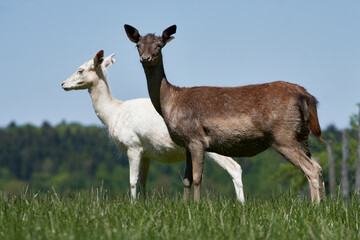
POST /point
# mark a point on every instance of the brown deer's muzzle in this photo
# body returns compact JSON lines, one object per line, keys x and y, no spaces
{"x":145,"y":59}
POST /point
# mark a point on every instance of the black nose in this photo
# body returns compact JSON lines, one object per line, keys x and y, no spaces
{"x":145,"y":59}
{"x":62,"y":84}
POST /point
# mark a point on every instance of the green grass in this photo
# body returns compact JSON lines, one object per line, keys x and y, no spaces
{"x":96,"y":215}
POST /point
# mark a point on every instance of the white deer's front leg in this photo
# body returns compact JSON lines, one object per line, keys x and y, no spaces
{"x":134,"y":156}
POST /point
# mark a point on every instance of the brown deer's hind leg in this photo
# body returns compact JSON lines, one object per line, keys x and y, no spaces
{"x":308,"y":165}
{"x":321,"y":182}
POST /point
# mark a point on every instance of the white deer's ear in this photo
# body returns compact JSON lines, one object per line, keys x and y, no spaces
{"x":108,"y":61}
{"x":98,"y":58}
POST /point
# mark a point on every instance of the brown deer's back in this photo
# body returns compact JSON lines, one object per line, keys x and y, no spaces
{"x":239,"y":120}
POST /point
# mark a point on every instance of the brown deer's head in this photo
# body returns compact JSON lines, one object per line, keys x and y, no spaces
{"x":149,"y":46}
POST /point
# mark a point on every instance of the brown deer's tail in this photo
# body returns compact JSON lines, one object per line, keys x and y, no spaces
{"x":309,"y":111}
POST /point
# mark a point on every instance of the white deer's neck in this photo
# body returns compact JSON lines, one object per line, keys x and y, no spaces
{"x":104,"y":104}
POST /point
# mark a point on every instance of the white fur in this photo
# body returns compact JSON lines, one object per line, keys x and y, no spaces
{"x":137,"y":128}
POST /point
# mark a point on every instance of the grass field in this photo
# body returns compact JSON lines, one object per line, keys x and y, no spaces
{"x":96,"y":215}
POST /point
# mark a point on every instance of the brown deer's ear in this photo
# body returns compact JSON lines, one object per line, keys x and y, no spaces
{"x":98,"y":58}
{"x":166,"y":35}
{"x":132,"y":33}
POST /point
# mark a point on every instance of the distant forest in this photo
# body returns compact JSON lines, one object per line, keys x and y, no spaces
{"x":70,"y":157}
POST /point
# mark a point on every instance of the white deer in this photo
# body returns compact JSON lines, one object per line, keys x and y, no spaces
{"x":138,"y":130}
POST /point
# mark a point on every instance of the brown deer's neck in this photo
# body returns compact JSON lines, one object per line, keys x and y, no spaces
{"x":159,"y":88}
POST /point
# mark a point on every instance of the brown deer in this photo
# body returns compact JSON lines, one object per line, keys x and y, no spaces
{"x":233,"y":121}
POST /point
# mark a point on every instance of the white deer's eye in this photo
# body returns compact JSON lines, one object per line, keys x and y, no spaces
{"x":80,"y":71}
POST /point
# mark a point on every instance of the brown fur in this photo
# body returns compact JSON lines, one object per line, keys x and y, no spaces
{"x":233,"y":121}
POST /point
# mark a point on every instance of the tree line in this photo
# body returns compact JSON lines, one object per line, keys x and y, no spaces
{"x":70,"y":156}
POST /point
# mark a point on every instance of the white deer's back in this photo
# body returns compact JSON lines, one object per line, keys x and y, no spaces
{"x":136,"y":124}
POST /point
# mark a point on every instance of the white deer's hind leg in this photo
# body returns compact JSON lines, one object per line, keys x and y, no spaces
{"x":134,"y":156}
{"x":235,"y":171}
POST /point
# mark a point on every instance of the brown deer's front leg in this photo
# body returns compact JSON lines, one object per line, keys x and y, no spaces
{"x":143,"y":176}
{"x":188,"y":178}
{"x":197,"y":156}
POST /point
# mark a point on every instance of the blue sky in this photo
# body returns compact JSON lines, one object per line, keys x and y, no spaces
{"x":315,"y":44}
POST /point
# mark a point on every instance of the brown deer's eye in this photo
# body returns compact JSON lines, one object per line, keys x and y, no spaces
{"x":137,"y":46}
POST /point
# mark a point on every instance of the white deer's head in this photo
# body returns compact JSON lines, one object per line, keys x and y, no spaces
{"x":89,"y":73}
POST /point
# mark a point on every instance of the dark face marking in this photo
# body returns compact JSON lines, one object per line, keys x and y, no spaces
{"x":149,"y":48}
